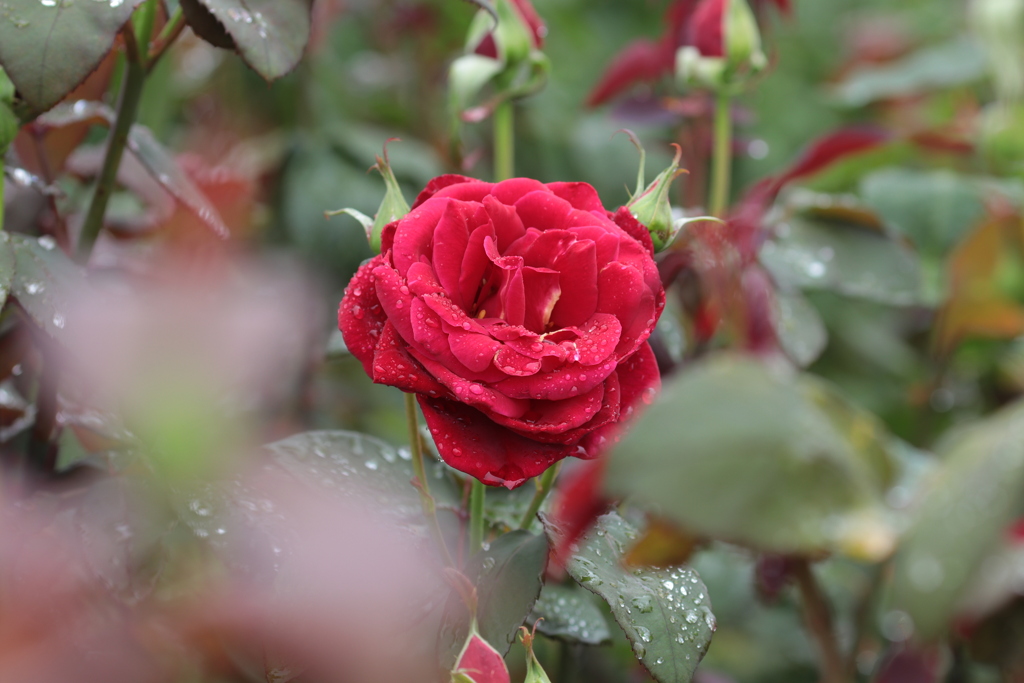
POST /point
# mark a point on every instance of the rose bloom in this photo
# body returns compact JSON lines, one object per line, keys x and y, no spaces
{"x":518,"y":312}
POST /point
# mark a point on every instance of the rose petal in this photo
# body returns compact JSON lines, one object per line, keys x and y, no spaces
{"x":634,"y":228}
{"x":475,"y":264}
{"x":579,"y":195}
{"x":639,"y":382}
{"x":510,"y":362}
{"x":557,"y":421}
{"x":579,"y":284}
{"x":360,"y":316}
{"x":441,"y":182}
{"x":572,"y":379}
{"x":396,"y":298}
{"x":508,"y":227}
{"x":598,"y":339}
{"x":394,"y":366}
{"x":481,"y":662}
{"x":451,"y":237}
{"x":509,"y":191}
{"x":479,"y":394}
{"x":542,"y":292}
{"x":473,"y":349}
{"x":544,"y":211}
{"x":472,"y":443}
{"x":623,"y":293}
{"x":414,"y":234}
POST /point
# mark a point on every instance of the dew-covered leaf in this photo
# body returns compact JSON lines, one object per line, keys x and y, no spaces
{"x":665,"y":613}
{"x":162,"y":166}
{"x":735,"y":452}
{"x":801,"y":330}
{"x":47,"y":47}
{"x":569,"y":613}
{"x":508,"y":576}
{"x":359,"y":465}
{"x":270,"y":35}
{"x":45,"y":280}
{"x":965,"y":509}
{"x":958,"y":62}
{"x":845,"y":258}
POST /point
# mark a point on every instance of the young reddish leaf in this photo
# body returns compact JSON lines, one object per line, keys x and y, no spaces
{"x":642,"y":61}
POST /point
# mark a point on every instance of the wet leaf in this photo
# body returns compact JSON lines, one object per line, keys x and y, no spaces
{"x":50,"y":46}
{"x":508,"y":576}
{"x":968,"y":505}
{"x":45,"y":280}
{"x":569,"y":613}
{"x":735,"y":452}
{"x":800,"y":328}
{"x":270,"y":35}
{"x":359,"y":465}
{"x":845,"y":258}
{"x":665,"y":613}
{"x":958,"y":62}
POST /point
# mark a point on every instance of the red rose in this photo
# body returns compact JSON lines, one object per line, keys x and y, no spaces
{"x":530,"y":19}
{"x":519,"y":313}
{"x":705,"y":29}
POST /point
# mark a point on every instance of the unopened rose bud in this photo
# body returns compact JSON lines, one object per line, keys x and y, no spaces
{"x":534,"y":671}
{"x":723,"y":46}
{"x":479,"y":662}
{"x":391,"y":208}
{"x":651,"y":205}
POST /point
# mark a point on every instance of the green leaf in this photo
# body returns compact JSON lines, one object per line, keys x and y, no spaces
{"x":965,"y":511}
{"x":934,"y":209}
{"x":358,"y":465}
{"x":848,"y":259}
{"x":270,"y":35}
{"x":735,"y":452}
{"x":800,"y":328}
{"x":508,"y":576}
{"x":7,"y":266}
{"x":665,"y":613}
{"x":47,"y":47}
{"x":44,"y":281}
{"x":958,"y":62}
{"x":569,"y":613}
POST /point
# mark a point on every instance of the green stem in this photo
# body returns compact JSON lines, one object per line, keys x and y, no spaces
{"x":504,"y":141}
{"x":722,"y":159}
{"x":143,"y":26}
{"x":476,"y":516}
{"x":420,"y":470}
{"x":127,"y":109}
{"x":2,"y":179}
{"x":167,"y":36}
{"x":544,"y":485}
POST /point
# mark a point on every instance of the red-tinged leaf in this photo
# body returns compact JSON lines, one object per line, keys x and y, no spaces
{"x":832,"y":147}
{"x":481,"y":663}
{"x":642,"y":61}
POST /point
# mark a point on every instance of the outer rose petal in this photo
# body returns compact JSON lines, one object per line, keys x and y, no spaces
{"x":438,"y":184}
{"x":360,"y":316}
{"x":481,"y":662}
{"x":470,"y":442}
{"x":634,"y":228}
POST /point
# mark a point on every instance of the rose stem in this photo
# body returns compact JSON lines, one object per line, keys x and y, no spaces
{"x":136,"y":51}
{"x":544,"y":484}
{"x":429,"y":508}
{"x":722,"y":159}
{"x":819,"y":622}
{"x":476,"y":516}
{"x":504,"y":141}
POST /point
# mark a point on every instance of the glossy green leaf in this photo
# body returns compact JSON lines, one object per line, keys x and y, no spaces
{"x":359,"y":465}
{"x":848,"y":259}
{"x":734,"y":451}
{"x":665,"y":613}
{"x":964,"y":512}
{"x":270,"y":35}
{"x":45,"y":280}
{"x":934,"y":209}
{"x":958,"y":62}
{"x":47,"y":47}
{"x":508,"y":575}
{"x":569,"y":613}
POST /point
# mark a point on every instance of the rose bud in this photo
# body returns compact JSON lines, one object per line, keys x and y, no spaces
{"x":506,"y":54}
{"x":518,"y":313}
{"x":479,"y":662}
{"x":392,"y":207}
{"x":723,"y":46}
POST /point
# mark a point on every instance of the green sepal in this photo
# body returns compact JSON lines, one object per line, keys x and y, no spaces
{"x":392,"y":208}
{"x":651,"y":206}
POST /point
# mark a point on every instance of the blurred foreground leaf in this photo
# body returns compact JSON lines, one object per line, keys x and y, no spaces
{"x":969,"y":505}
{"x":49,"y":47}
{"x":734,"y":452}
{"x":508,"y":576}
{"x":45,"y":280}
{"x":665,"y":613}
